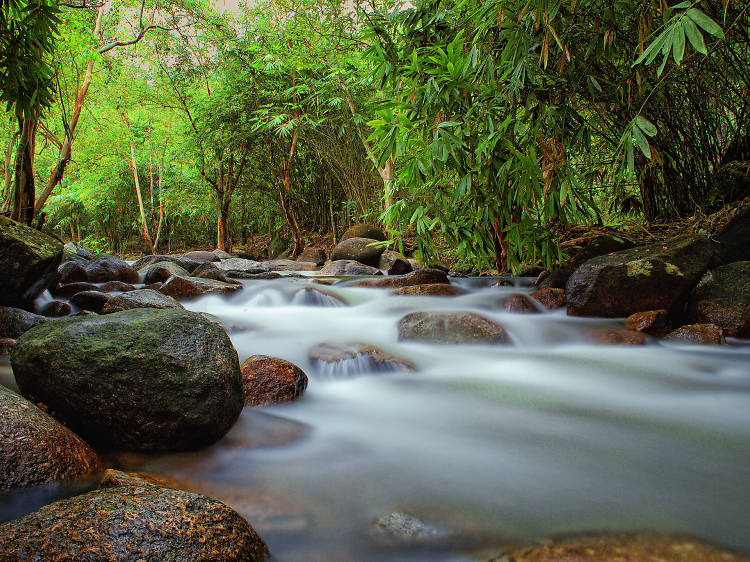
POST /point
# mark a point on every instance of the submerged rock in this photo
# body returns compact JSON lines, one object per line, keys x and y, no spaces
{"x":358,"y":249}
{"x":28,"y":263}
{"x":270,"y":380}
{"x":14,"y":321}
{"x":109,"y":268}
{"x":140,"y":298}
{"x":644,"y":278}
{"x":430,"y":289}
{"x":723,"y":298}
{"x":310,"y":296}
{"x":35,"y":448}
{"x":706,"y":334}
{"x":615,"y":336}
{"x":418,"y":277}
{"x":518,"y":304}
{"x":402,"y":529}
{"x":348,"y":267}
{"x":178,"y":286}
{"x":651,"y":322}
{"x":142,"y":379}
{"x":354,"y":359}
{"x":135,"y":520}
{"x":451,"y":328}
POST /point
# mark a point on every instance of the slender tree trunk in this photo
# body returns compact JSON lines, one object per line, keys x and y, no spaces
{"x":23,"y":195}
{"x":78,"y":228}
{"x":222,"y":218}
{"x":160,"y":171}
{"x":7,"y":199}
{"x":141,"y":210}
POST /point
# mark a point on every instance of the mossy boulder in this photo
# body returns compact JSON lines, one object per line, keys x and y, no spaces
{"x":723,"y":298}
{"x":28,"y":263}
{"x":584,"y":250}
{"x":358,"y":249}
{"x":14,"y":321}
{"x":142,"y":379}
{"x":140,"y":298}
{"x":649,"y":277}
{"x":135,"y":520}
{"x":363,"y":231}
{"x":35,"y":448}
{"x":450,"y":328}
{"x":270,"y":380}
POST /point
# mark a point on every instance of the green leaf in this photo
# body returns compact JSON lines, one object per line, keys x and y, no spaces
{"x":642,"y":142}
{"x":705,"y":22}
{"x":678,"y":44}
{"x":694,"y":36}
{"x":645,"y":125}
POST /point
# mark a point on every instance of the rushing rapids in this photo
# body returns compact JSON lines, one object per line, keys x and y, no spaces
{"x":484,"y":445}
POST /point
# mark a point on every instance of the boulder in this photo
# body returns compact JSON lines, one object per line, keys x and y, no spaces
{"x":358,"y":249}
{"x":14,"y":321}
{"x":418,"y":277}
{"x":290,"y":265}
{"x":363,"y":231}
{"x":71,"y":289}
{"x":451,"y":328}
{"x":354,"y":359}
{"x":348,"y":267}
{"x":201,"y":256}
{"x":72,"y":272}
{"x":579,"y":254}
{"x":35,"y":448}
{"x":242,"y":275}
{"x":140,"y":298}
{"x":614,"y":336}
{"x":76,"y":252}
{"x":723,"y":298}
{"x":142,"y":379}
{"x":518,"y":304}
{"x":109,"y":268}
{"x":210,"y":270}
{"x":313,"y":255}
{"x":90,"y":300}
{"x":56,"y":309}
{"x":429,"y":290}
{"x":550,"y":297}
{"x":706,"y":334}
{"x":116,"y":286}
{"x":28,"y":263}
{"x":644,"y":278}
{"x":271,"y":380}
{"x":394,"y":263}
{"x":161,"y":271}
{"x":135,"y":520}
{"x":651,"y":322}
{"x":241,"y":265}
{"x":733,"y":237}
{"x":221,"y":254}
{"x":182,"y":261}
{"x":178,"y":286}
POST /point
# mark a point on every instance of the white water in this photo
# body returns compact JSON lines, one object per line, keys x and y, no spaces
{"x":499,"y":443}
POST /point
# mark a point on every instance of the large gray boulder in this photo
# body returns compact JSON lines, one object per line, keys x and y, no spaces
{"x":35,"y":448}
{"x":363,"y":231}
{"x":109,"y":268}
{"x":14,"y":321}
{"x":28,"y":263}
{"x":348,"y":267}
{"x":182,"y":261}
{"x":723,"y":298}
{"x":140,"y":298}
{"x":650,"y":277}
{"x":161,"y":271}
{"x":131,"y":519}
{"x":142,"y":379}
{"x":358,"y":249}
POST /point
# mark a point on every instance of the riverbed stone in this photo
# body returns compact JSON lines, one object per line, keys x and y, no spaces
{"x":241,"y":265}
{"x":178,"y":286}
{"x":363,"y":231}
{"x":356,"y":358}
{"x":723,"y":298}
{"x":705,"y":334}
{"x":15,"y":321}
{"x":72,"y":272}
{"x":90,"y":300}
{"x":201,"y":256}
{"x":35,"y":448}
{"x":182,"y":261}
{"x":161,"y":271}
{"x":28,"y":263}
{"x":140,"y":298}
{"x":430,"y":290}
{"x":312,"y":296}
{"x":314,"y":255}
{"x":358,"y":249}
{"x":418,"y":277}
{"x":56,"y":309}
{"x":647,"y":277}
{"x":143,"y":379}
{"x":518,"y":304}
{"x":394,"y":263}
{"x":136,"y":520}
{"x":402,"y":529}
{"x":450,"y":328}
{"x":614,"y":336}
{"x":70,"y":289}
{"x":550,"y":297}
{"x":116,"y":286}
{"x":210,"y":270}
{"x":109,"y":268}
{"x":651,"y":322}
{"x":290,"y":265}
{"x":221,"y":254}
{"x":348,"y":267}
{"x":271,"y":380}
{"x":76,"y":252}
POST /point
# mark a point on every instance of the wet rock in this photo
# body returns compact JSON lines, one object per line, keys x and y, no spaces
{"x":28,"y":263}
{"x":354,"y":359}
{"x":733,"y":237}
{"x":615,"y":336}
{"x":210,"y":270}
{"x":133,"y":521}
{"x":271,"y":380}
{"x":310,"y":296}
{"x":35,"y":448}
{"x":154,"y":286}
{"x":723,"y":298}
{"x":348,"y":267}
{"x":313,"y":255}
{"x":76,"y":252}
{"x":358,"y":249}
{"x":140,"y":298}
{"x":71,"y":289}
{"x":142,"y":379}
{"x":221,"y":254}
{"x":363,"y":231}
{"x":72,"y":272}
{"x":394,"y":263}
{"x":518,"y":304}
{"x":451,"y":328}
{"x":109,"y":268}
{"x":644,"y":278}
{"x":263,"y":275}
{"x":430,"y":289}
{"x":161,"y":271}
{"x":90,"y":300}
{"x":290,"y":265}
{"x":550,"y":297}
{"x":113,"y":286}
{"x":651,"y":322}
{"x":182,"y":261}
{"x":402,"y":529}
{"x":641,"y":547}
{"x":56,"y":309}
{"x":418,"y":277}
{"x":14,"y":321}
{"x":201,"y":256}
{"x":186,"y":287}
{"x":706,"y":334}
{"x":6,"y":344}
{"x":241,"y":265}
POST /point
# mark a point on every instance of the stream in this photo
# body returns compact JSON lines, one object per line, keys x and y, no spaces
{"x":488,"y":445}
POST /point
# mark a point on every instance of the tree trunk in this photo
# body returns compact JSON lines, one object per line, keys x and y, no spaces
{"x":222,"y":217}
{"x":141,"y":210}
{"x":23,"y":195}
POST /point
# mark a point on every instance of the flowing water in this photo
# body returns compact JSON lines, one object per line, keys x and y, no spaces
{"x":489,"y":445}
